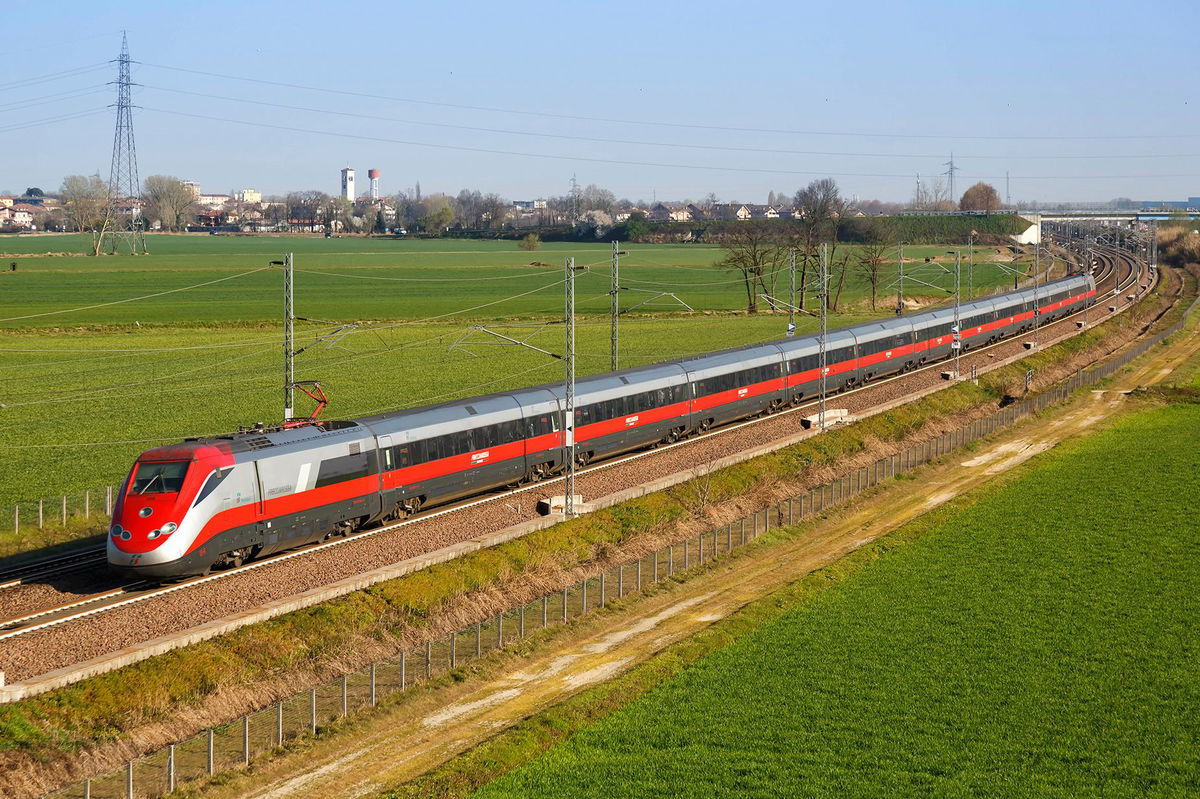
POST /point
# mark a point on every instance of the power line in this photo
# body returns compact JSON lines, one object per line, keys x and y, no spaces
{"x":627,"y":162}
{"x":657,"y":123}
{"x":49,"y":120}
{"x":642,"y":143}
{"x":422,"y":279}
{"x":66,"y":73}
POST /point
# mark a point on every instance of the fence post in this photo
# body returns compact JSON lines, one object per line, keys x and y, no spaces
{"x":453,"y":650}
{"x":16,"y":519}
{"x":670,"y":560}
{"x":602,"y":595}
{"x":686,"y":555}
{"x":729,"y":538}
{"x":521,"y":622}
{"x":41,"y":515}
{"x":246,"y":739}
{"x":428,"y":659}
{"x":564,"y":614}
{"x":312,"y":710}
{"x":129,"y":779}
{"x":87,"y":788}
{"x":87,"y":503}
{"x":345,"y":695}
{"x":64,"y":510}
{"x":639,"y":575}
{"x":621,"y":581}
{"x":655,"y":580}
{"x":403,"y":671}
{"x":170,"y":768}
{"x":374,"y":696}
{"x":212,"y":746}
{"x":545,"y":610}
{"x":583,"y":597}
{"x":279,"y":723}
{"x":743,"y":526}
{"x":108,"y":500}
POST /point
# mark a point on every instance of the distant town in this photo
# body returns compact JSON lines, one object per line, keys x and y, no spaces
{"x":172,"y":204}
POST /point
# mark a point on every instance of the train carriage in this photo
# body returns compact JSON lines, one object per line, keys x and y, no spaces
{"x":205,"y":503}
{"x":735,"y":384}
{"x":885,"y":347}
{"x":802,"y":361}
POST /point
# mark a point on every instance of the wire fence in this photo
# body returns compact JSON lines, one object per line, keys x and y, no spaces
{"x":90,"y":507}
{"x":240,"y":742}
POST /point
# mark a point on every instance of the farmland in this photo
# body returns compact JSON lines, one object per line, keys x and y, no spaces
{"x":91,"y":378}
{"x":991,"y":652}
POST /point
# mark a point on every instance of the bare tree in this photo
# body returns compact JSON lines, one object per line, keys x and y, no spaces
{"x":932,"y":195}
{"x":871,"y":258}
{"x":821,"y":206}
{"x":89,"y":207}
{"x":754,"y":250}
{"x":168,"y":200}
{"x":980,"y":197}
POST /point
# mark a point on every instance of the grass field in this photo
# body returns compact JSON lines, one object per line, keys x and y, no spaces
{"x":1001,"y":653}
{"x":90,"y":380}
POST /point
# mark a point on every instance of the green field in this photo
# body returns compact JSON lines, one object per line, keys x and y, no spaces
{"x":91,"y":379}
{"x":1002,"y":653}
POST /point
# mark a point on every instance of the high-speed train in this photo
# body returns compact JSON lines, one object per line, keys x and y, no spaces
{"x":214,"y":502}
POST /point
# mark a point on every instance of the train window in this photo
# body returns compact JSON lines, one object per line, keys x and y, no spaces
{"x":347,"y":467}
{"x":215,"y":479}
{"x":161,"y":477}
{"x":541,"y":425}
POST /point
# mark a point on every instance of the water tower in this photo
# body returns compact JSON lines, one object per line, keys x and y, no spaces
{"x":373,"y":174}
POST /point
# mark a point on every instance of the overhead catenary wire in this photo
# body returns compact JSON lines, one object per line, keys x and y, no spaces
{"x":133,"y":299}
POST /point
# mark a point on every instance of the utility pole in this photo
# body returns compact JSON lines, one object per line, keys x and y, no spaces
{"x":957,"y":343}
{"x":951,"y":169}
{"x":1090,"y":261}
{"x":971,"y":266}
{"x":1007,"y":192}
{"x":614,"y":305}
{"x":289,"y":348}
{"x":900,"y":284}
{"x":1037,"y":302}
{"x":823,"y":278}
{"x":791,"y":328}
{"x":569,"y":390}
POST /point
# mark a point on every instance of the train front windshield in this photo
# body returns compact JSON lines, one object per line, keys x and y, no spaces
{"x":160,"y":477}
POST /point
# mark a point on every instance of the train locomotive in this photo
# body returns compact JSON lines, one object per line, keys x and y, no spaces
{"x":214,"y":502}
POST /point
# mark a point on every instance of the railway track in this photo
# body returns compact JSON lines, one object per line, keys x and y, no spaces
{"x":1116,"y":268}
{"x":64,"y":563}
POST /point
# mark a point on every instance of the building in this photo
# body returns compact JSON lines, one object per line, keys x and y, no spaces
{"x":212,"y":200}
{"x":348,"y":184}
{"x":248,"y":196}
{"x":194,"y":186}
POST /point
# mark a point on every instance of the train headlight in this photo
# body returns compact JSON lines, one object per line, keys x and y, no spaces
{"x":169,"y":528}
{"x":153,"y":534}
{"x":115,"y":531}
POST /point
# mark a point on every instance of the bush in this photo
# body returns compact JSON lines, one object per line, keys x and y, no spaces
{"x":530,"y":242}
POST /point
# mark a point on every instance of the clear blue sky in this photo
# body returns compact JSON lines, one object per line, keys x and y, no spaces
{"x":664,"y":99}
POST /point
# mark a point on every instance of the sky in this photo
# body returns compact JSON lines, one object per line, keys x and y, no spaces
{"x":1073,"y":101}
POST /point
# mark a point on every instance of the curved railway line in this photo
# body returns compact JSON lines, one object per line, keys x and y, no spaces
{"x":1116,"y":272}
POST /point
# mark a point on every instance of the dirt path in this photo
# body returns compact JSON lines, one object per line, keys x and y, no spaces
{"x":405,"y":742}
